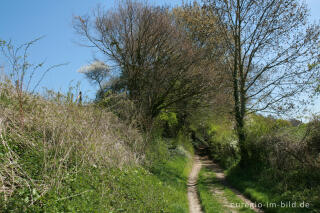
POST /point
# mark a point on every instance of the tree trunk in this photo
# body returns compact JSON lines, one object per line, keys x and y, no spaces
{"x":244,"y":162}
{"x":239,"y":90}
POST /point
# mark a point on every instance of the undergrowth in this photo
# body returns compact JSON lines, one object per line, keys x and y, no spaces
{"x":58,"y":156}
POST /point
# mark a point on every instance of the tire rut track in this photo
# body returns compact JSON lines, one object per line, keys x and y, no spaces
{"x":193,"y":197}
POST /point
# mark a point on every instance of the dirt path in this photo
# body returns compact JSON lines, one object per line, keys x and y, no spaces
{"x":194,"y":202}
{"x":221,"y":178}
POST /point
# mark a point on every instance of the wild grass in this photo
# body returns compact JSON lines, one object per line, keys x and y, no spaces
{"x":131,"y":189}
{"x":65,"y":157}
{"x":267,"y":195}
{"x":170,"y":160}
{"x":174,"y":174}
{"x":208,"y":201}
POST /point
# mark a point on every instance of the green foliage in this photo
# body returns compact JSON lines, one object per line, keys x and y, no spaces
{"x":120,"y":105}
{"x":164,"y":72}
{"x":216,"y":132}
{"x":169,"y":117}
{"x":168,"y":123}
{"x":170,"y":161}
{"x":282,"y":165}
{"x":183,"y":139}
{"x":223,"y":143}
{"x":257,"y":125}
{"x":256,"y":128}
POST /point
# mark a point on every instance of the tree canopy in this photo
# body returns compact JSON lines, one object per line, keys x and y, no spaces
{"x":158,"y":66}
{"x":270,"y":44}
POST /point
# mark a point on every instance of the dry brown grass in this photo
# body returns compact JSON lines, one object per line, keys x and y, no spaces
{"x":68,"y":138}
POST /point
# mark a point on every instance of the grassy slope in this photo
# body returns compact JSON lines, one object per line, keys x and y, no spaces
{"x":57,"y":166}
{"x":130,"y":189}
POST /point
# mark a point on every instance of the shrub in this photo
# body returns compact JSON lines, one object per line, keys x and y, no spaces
{"x":283,"y":164}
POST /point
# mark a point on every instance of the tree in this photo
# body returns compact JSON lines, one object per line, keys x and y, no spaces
{"x":96,"y":72}
{"x":270,"y":43}
{"x":201,"y":27}
{"x":156,"y":62}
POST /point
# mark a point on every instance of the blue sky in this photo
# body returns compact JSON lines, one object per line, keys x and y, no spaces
{"x":25,"y":20}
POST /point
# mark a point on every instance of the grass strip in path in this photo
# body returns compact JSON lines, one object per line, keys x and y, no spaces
{"x":215,"y":194}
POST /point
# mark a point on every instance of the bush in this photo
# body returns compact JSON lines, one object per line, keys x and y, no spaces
{"x":283,"y":163}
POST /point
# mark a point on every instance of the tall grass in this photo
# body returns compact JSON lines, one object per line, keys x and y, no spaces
{"x":66,"y":157}
{"x":57,"y":139}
